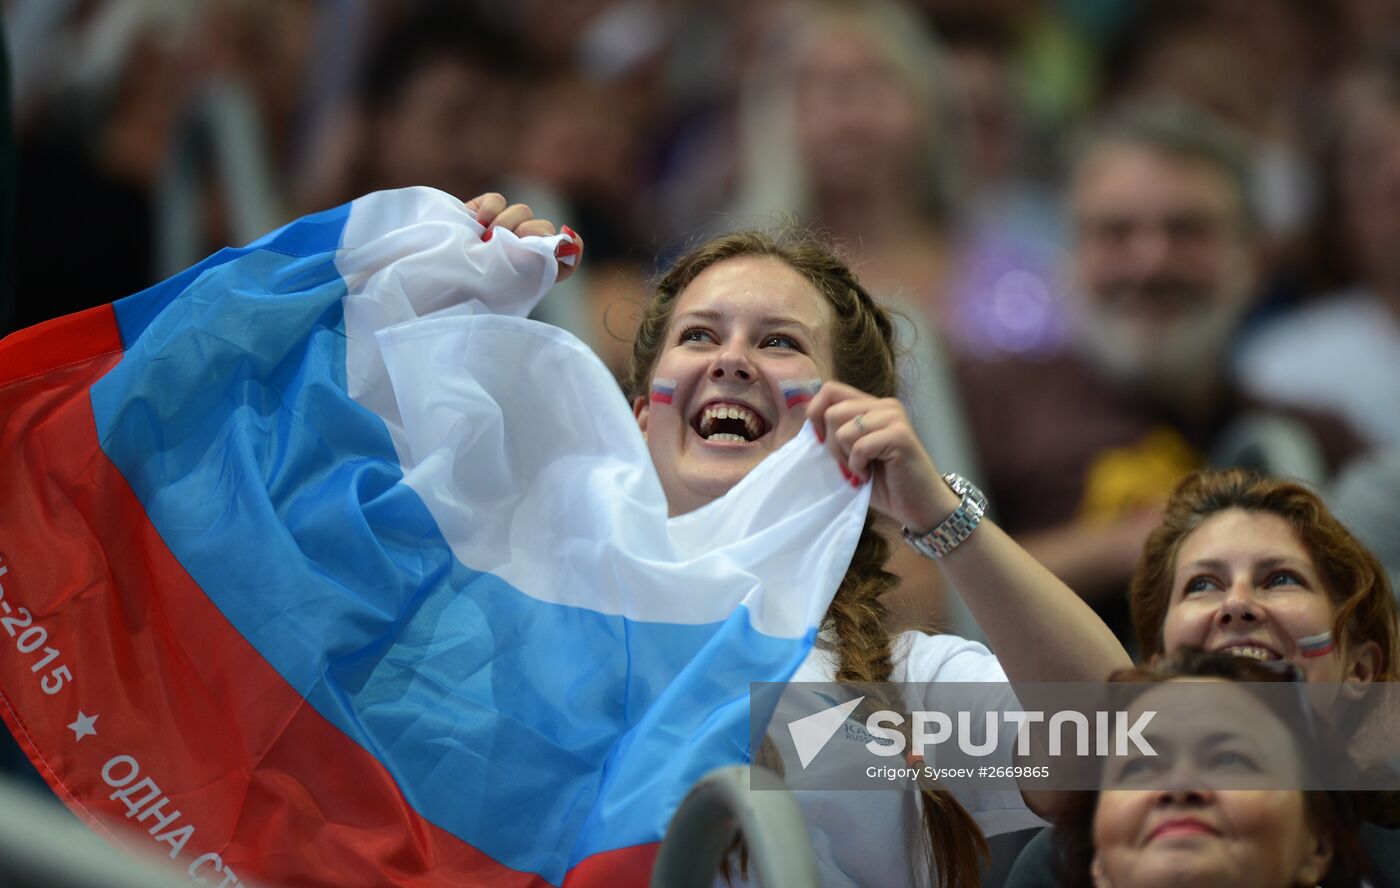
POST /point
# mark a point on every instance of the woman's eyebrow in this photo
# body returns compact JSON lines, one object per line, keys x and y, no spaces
{"x":786,"y":321}
{"x":1281,"y":561}
{"x":1211,"y":564}
{"x":709,"y":314}
{"x":1223,"y":736}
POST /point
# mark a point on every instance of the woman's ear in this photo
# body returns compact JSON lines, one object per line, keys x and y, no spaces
{"x":1318,"y":861}
{"x":1097,"y":874}
{"x":1363,"y":665}
{"x":640,"y":406}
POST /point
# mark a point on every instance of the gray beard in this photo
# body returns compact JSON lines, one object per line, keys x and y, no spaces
{"x":1178,"y":362}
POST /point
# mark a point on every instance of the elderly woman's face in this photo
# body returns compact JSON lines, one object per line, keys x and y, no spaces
{"x":1166,"y":822}
{"x":740,"y":329}
{"x":1243,"y":582}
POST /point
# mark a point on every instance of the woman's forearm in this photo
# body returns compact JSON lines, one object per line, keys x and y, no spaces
{"x":1035,"y":624}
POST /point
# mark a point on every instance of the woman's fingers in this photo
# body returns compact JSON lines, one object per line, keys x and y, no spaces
{"x":487,"y":207}
{"x":830,"y":395}
{"x":492,"y":212}
{"x":853,"y":420}
{"x":540,"y":227}
{"x":832,"y":413}
{"x":873,"y":441}
{"x":511,"y":218}
{"x":866,"y":438}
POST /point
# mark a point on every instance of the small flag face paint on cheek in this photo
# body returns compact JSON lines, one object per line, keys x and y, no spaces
{"x":799,"y":391}
{"x":663,"y":391}
{"x":1319,"y":645}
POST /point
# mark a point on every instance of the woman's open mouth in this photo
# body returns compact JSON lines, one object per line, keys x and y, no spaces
{"x":1251,"y":650}
{"x":729,"y":422}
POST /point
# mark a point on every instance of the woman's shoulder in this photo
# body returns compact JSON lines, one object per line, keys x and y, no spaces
{"x":921,"y":656}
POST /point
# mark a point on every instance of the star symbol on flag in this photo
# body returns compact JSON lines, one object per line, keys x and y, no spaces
{"x":83,"y":726}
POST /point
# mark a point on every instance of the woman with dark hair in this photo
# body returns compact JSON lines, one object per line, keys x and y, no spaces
{"x":738,"y":335}
{"x":1220,"y":804}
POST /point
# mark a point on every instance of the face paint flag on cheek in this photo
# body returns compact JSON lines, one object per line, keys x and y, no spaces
{"x":1319,"y":645}
{"x":799,"y":391}
{"x":663,"y":391}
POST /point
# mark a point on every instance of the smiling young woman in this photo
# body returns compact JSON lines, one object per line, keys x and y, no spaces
{"x":733,"y":327}
{"x":749,"y":337}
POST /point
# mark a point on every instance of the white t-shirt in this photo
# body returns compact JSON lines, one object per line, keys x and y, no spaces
{"x":874,"y":838}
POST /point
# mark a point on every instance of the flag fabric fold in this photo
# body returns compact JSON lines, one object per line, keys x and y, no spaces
{"x":322,"y":564}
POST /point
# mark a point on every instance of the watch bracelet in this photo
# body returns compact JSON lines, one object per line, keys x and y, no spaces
{"x":957,"y":527}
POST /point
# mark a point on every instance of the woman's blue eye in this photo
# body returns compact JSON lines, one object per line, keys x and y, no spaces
{"x":1199,"y":584}
{"x":696,"y":334}
{"x":1283,"y":578}
{"x":778,"y":340}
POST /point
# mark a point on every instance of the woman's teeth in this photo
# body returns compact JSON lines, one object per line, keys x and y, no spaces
{"x":741,"y":423}
{"x":1252,"y":652}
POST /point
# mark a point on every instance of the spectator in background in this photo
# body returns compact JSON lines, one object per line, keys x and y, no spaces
{"x":1004,"y":292}
{"x":846,"y":121}
{"x":1256,"y":65}
{"x":435,"y":105}
{"x":1343,"y":351}
{"x":846,"y":125}
{"x":1082,"y":450}
{"x":90,"y":159}
{"x":577,"y":159}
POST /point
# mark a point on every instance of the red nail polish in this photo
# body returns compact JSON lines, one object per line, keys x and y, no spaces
{"x":845,"y":472}
{"x":856,"y":482}
{"x":567,"y":249}
{"x":573,"y":235}
{"x":486,"y":235}
{"x":821,"y":434}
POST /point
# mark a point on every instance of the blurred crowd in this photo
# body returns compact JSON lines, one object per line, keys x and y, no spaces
{"x":1126,"y":238}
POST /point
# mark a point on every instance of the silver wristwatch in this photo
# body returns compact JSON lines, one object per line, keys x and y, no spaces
{"x":956,"y":527}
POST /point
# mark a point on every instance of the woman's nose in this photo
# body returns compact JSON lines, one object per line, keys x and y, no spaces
{"x":1184,"y":784}
{"x":1240,"y":606}
{"x":732,"y":362}
{"x":1187,"y":790}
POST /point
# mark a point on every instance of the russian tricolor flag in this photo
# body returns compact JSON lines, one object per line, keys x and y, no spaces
{"x":663,"y":391}
{"x":799,"y":391}
{"x":313,"y":575}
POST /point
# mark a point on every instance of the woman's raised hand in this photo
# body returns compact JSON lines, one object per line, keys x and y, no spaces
{"x":873,"y":440}
{"x":493,"y":212}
